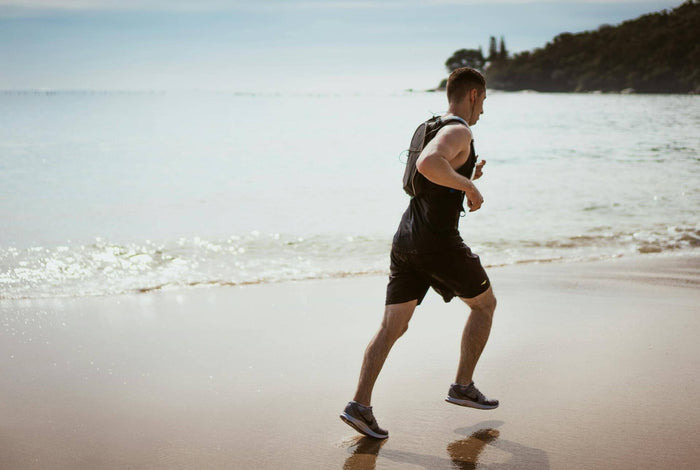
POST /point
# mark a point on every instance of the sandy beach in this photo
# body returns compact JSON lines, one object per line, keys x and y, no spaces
{"x":595,"y":365}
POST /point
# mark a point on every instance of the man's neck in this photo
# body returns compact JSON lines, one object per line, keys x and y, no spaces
{"x":461,"y":112}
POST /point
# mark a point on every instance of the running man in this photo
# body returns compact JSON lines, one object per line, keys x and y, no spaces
{"x":427,"y":251}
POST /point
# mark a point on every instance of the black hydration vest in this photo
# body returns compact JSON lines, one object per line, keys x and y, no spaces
{"x":431,"y":221}
{"x":413,"y":180}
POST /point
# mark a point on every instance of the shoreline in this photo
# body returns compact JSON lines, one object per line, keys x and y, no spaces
{"x":593,"y":363}
{"x":210,"y":284}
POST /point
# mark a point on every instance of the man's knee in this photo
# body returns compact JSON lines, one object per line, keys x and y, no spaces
{"x":396,"y":318}
{"x":394,"y":330}
{"x":490,"y":303}
{"x":484,"y":303}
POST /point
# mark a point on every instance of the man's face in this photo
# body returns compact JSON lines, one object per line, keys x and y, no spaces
{"x":477,"y":100}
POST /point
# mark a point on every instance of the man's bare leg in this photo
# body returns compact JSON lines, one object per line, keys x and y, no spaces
{"x":476,"y":334}
{"x":394,"y":324}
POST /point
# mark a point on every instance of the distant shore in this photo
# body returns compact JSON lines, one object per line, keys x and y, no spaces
{"x":625,"y":91}
{"x":649,"y":54}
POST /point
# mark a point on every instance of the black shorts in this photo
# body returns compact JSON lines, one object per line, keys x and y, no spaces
{"x":453,"y":272}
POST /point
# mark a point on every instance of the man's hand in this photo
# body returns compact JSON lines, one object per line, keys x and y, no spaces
{"x":479,"y":170}
{"x":474,"y":199}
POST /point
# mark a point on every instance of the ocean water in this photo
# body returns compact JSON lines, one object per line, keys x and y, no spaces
{"x":108,"y":193}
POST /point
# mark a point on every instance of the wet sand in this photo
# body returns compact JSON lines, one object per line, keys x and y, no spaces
{"x":596,"y":366}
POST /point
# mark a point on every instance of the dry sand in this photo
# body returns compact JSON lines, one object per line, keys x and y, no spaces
{"x":596,"y":366}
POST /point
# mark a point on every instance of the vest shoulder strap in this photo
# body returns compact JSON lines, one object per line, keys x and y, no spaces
{"x":454,"y":118}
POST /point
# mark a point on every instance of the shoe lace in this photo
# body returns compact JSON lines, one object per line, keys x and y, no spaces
{"x":369,"y":416}
{"x":480,"y":397}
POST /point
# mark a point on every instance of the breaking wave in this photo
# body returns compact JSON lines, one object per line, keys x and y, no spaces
{"x":106,"y":268}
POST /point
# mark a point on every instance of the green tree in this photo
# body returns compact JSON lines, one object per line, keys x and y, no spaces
{"x":493,"y":50}
{"x":503,"y":52}
{"x":466,"y":58}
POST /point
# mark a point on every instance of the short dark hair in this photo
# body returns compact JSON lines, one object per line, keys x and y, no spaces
{"x":462,"y":80}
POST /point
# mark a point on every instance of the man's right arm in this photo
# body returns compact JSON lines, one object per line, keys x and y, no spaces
{"x":436,"y":160}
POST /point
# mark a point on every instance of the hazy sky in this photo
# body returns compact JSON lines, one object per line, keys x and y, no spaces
{"x":272,"y":45}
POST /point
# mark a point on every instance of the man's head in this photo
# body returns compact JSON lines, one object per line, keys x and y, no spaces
{"x":466,"y":91}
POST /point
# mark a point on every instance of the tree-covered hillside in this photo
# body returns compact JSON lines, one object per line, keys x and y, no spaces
{"x":655,"y":53}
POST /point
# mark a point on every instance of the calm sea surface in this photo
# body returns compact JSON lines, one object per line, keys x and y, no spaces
{"x":105,"y":193}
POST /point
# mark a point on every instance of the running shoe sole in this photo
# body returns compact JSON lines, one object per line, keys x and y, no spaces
{"x":469,"y":403}
{"x":361,"y":427}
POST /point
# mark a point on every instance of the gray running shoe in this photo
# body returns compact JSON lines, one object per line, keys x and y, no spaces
{"x":469,"y":395}
{"x":362,"y":419}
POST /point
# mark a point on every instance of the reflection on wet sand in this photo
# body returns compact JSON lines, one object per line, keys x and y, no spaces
{"x":465,"y":453}
{"x":364,"y":455}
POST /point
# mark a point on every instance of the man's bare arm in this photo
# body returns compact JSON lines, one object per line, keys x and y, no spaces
{"x":436,"y":162}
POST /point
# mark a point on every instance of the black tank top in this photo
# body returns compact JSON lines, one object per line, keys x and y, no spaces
{"x":431,"y":222}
